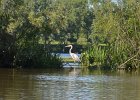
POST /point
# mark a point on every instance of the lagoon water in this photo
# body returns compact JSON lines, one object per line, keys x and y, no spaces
{"x":66,"y":55}
{"x":68,"y":84}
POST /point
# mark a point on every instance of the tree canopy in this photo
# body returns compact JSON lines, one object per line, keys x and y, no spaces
{"x":109,"y":29}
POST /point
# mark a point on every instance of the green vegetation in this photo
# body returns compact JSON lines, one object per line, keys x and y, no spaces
{"x":116,"y":35}
{"x":28,"y":27}
{"x":109,"y":31}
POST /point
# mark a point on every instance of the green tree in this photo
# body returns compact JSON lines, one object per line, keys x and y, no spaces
{"x":116,"y":32}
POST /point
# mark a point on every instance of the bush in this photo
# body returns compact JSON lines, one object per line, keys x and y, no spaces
{"x":37,"y":57}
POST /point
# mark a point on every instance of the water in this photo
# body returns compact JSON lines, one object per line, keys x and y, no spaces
{"x":68,"y":84}
{"x":66,"y":55}
{"x":69,"y":64}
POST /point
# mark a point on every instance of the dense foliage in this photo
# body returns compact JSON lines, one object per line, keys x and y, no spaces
{"x":109,"y":29}
{"x":116,"y":35}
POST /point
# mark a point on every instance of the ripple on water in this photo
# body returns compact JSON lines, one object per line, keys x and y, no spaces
{"x":87,"y":79}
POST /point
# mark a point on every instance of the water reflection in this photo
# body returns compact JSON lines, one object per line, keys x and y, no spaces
{"x":68,"y":84}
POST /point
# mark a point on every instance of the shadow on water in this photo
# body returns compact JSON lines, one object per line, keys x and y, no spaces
{"x":69,"y":83}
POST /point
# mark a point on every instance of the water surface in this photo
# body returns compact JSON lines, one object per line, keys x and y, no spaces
{"x":68,"y":84}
